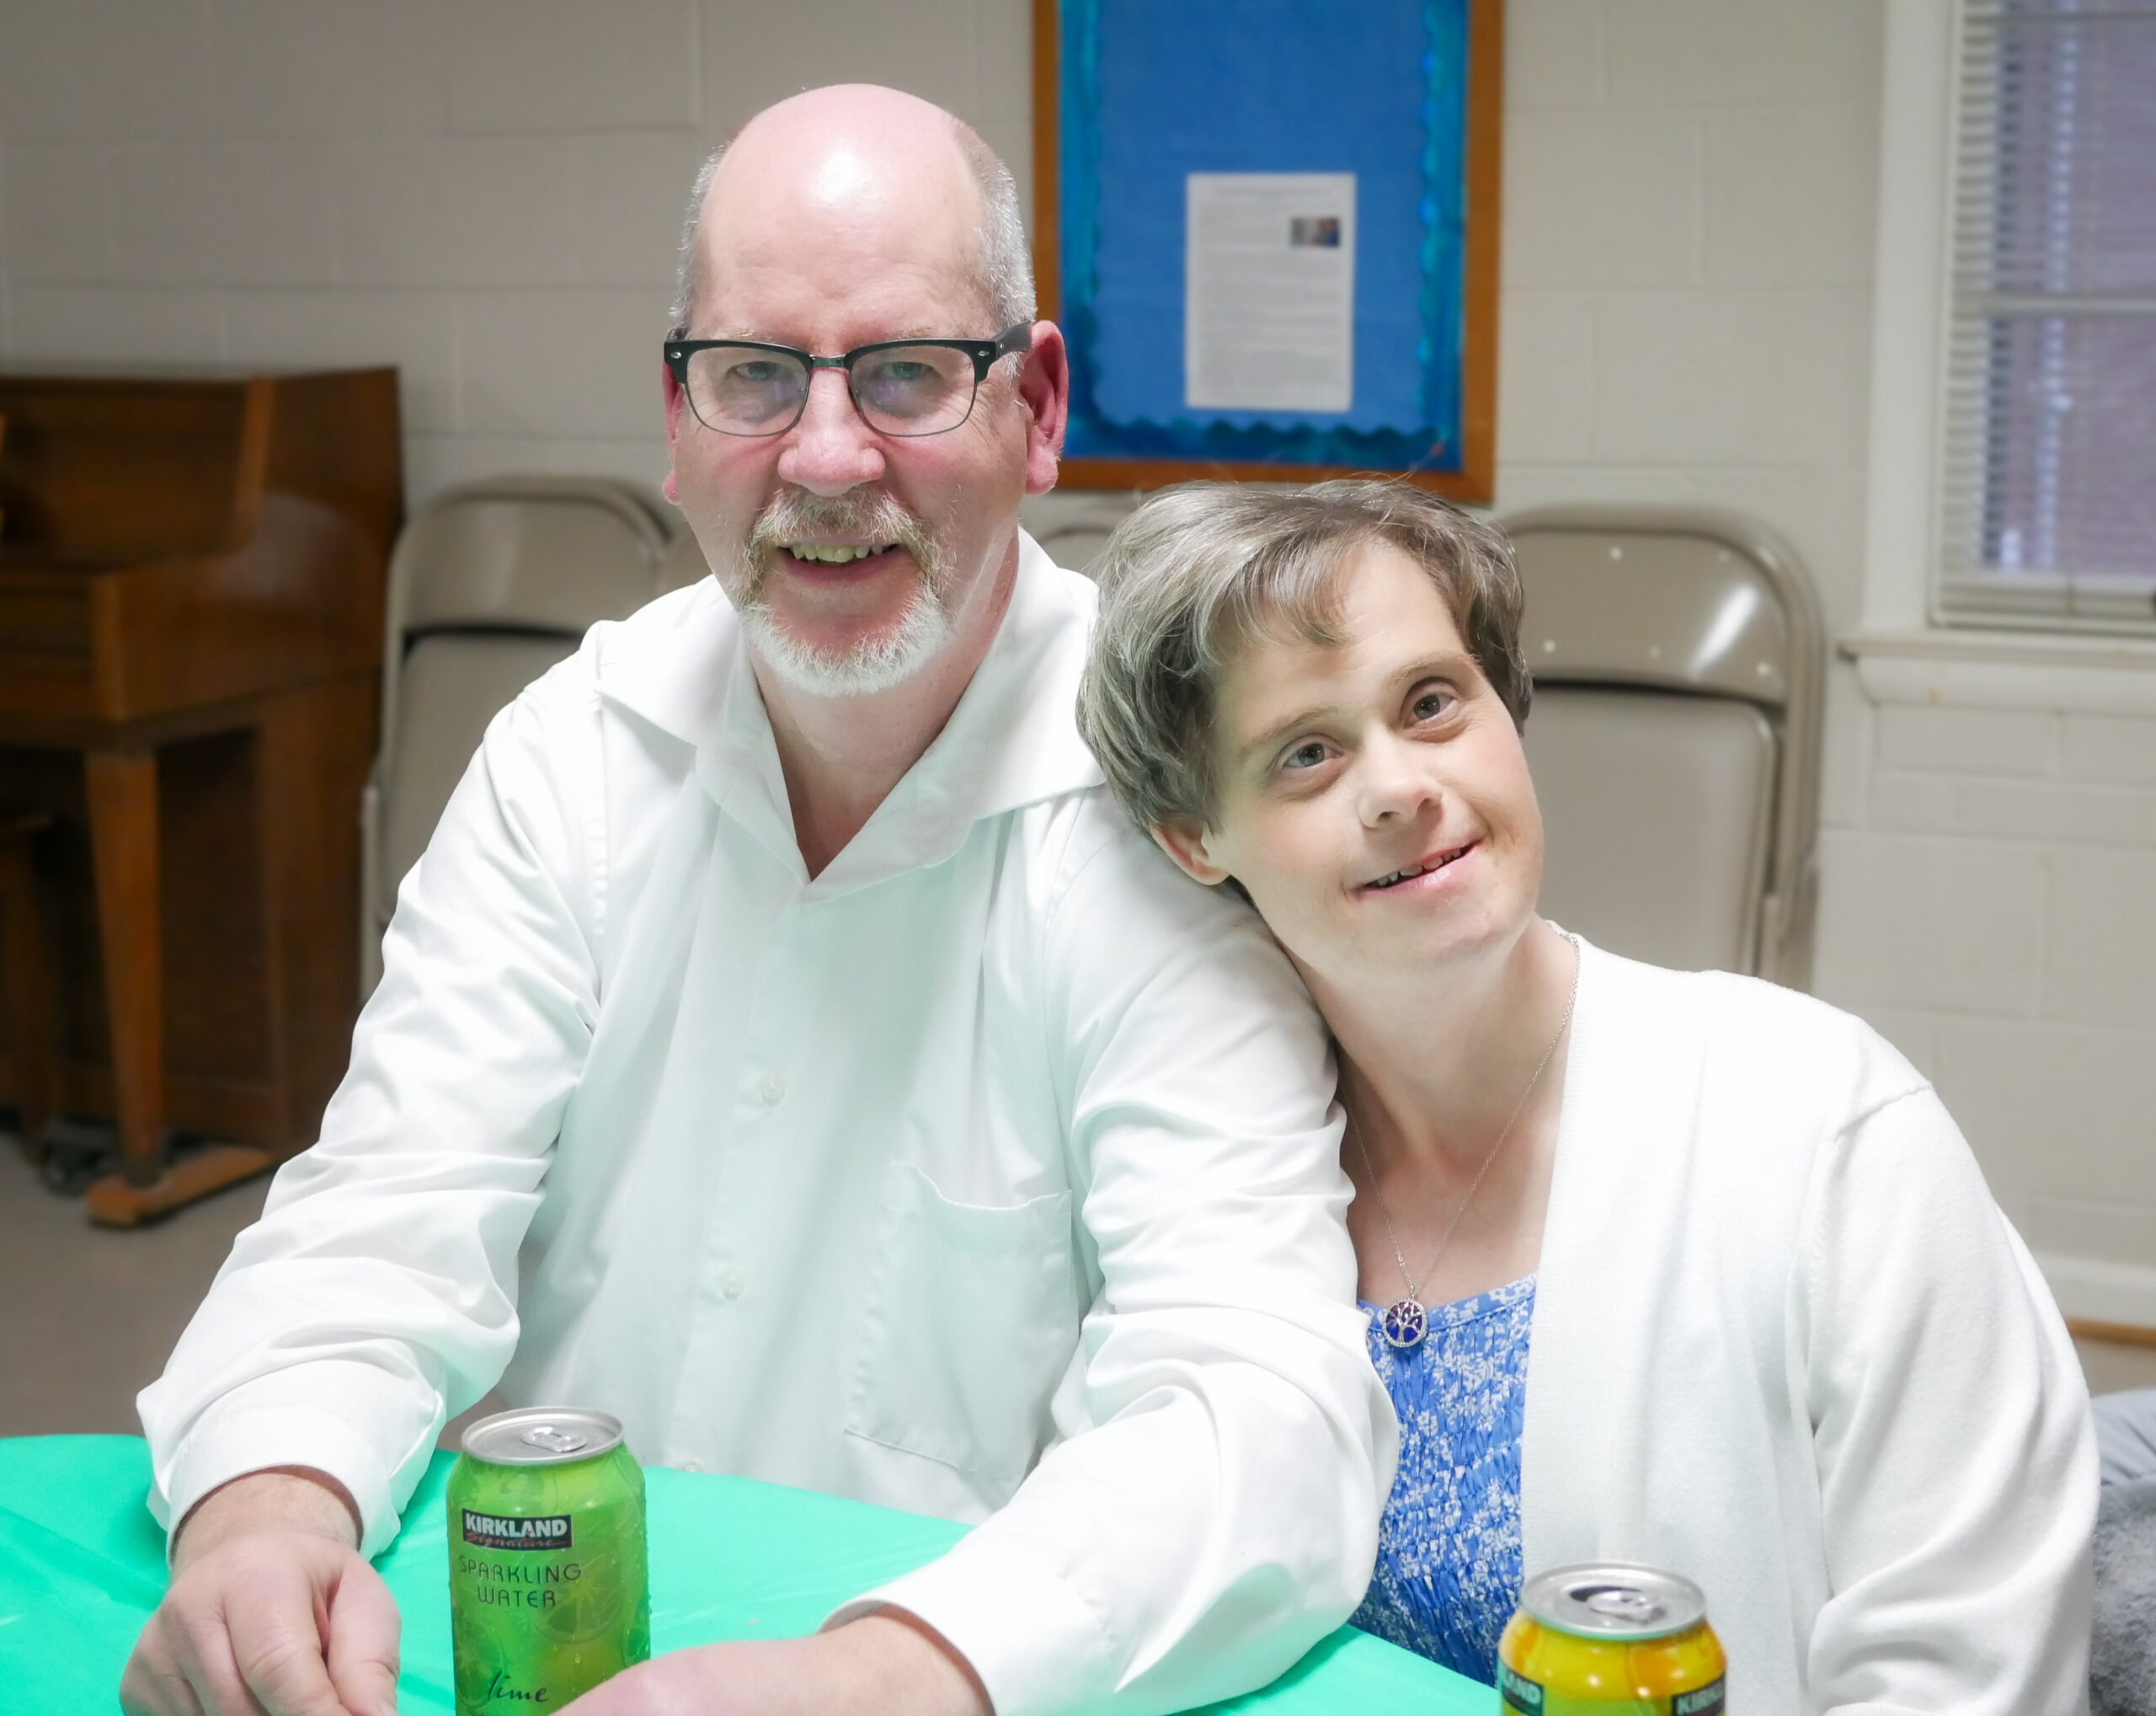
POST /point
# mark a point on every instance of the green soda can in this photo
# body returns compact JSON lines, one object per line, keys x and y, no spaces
{"x":548,"y":1590}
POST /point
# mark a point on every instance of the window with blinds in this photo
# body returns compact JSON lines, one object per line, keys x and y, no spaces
{"x":2049,"y":498}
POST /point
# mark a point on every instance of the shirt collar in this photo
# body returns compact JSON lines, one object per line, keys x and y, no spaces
{"x":1013,"y":739}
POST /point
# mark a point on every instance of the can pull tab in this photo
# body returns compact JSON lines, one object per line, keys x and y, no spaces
{"x":1619,"y":1602}
{"x":554,"y":1441}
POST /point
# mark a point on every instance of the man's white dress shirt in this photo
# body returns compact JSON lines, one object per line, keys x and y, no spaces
{"x":991,"y":1173}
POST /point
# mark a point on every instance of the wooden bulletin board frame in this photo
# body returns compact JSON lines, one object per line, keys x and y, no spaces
{"x":1467,"y":473}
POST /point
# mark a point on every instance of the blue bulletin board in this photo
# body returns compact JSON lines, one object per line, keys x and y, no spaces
{"x":1168,"y":132}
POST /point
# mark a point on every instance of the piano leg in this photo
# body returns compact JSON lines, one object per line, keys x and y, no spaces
{"x":123,"y":804}
{"x":29,"y":1001}
{"x":123,"y":800}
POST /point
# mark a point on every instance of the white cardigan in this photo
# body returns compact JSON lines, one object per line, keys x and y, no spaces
{"x":1785,"y":1345}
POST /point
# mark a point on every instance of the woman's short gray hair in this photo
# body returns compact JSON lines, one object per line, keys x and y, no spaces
{"x":1196,"y":572}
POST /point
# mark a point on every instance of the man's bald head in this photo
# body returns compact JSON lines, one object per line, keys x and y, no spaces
{"x":822,"y":136}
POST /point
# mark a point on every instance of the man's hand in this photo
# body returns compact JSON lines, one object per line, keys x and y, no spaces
{"x":885,"y":1664}
{"x":270,"y":1612}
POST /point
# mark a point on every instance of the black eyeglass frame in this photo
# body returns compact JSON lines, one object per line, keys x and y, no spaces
{"x":985,"y":353}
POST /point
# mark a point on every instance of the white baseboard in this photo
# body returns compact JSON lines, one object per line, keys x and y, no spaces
{"x":2101,"y":1290}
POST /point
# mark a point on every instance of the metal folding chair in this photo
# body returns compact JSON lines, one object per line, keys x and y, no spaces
{"x":491,"y":585}
{"x":1679,"y":661}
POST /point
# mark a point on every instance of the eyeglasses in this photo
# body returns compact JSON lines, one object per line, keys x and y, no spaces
{"x":900,"y":386}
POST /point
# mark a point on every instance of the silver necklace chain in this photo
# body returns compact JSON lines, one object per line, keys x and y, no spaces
{"x":1475,"y":1184}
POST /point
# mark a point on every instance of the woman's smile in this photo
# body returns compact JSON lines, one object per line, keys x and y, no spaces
{"x":1427,"y":870}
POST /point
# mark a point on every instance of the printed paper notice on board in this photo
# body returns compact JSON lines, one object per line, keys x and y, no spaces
{"x":1269,"y":292}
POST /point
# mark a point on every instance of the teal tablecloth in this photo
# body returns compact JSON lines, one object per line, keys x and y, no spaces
{"x":81,"y":1564}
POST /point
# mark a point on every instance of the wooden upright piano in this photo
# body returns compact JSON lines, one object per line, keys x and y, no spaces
{"x":191,"y":579}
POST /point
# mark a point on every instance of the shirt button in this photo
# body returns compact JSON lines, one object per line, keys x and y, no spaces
{"x":772,"y":1089}
{"x":691,"y":1465}
{"x":733,"y":1283}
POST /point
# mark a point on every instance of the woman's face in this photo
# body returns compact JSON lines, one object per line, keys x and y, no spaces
{"x":1375,"y":799}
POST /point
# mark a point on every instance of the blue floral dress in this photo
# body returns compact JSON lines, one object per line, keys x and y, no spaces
{"x":1447,"y":1574}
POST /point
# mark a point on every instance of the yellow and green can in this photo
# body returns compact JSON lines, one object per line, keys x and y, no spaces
{"x":1609,"y":1639}
{"x":548,"y":1583}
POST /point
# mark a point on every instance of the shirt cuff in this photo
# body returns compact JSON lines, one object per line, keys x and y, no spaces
{"x":226,"y":1445}
{"x":1036,"y":1646}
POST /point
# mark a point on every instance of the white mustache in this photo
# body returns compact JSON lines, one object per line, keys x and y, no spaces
{"x":799,"y":516}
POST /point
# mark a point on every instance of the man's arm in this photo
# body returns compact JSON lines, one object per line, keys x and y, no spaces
{"x":377,"y":1294}
{"x":1210,"y":1508}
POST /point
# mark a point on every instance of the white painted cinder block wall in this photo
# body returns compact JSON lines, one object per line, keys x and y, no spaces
{"x":487,"y":192}
{"x":1991,"y":905}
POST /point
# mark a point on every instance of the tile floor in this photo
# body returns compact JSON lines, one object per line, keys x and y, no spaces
{"x":92,"y":1313}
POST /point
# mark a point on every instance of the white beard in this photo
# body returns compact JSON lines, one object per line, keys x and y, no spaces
{"x":868,"y":665}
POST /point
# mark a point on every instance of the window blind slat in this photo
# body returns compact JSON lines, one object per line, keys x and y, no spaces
{"x":2048,"y":494}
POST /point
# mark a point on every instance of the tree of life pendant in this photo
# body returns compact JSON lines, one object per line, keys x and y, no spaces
{"x":1405,"y":1323}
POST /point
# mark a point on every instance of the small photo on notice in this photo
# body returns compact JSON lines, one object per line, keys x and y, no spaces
{"x":1314,"y":232}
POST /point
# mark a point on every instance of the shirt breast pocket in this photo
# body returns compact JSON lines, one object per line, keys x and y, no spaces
{"x":968,"y":1320}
